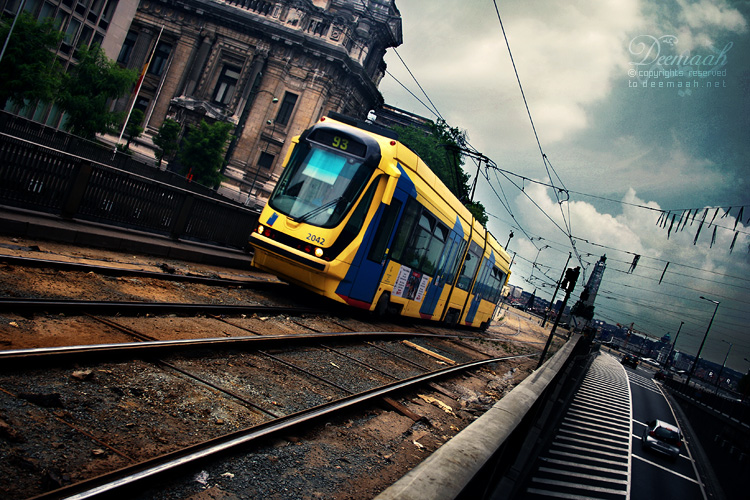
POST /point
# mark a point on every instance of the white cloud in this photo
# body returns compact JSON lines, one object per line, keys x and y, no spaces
{"x":567,"y":56}
{"x":712,"y":14}
{"x":602,"y":138}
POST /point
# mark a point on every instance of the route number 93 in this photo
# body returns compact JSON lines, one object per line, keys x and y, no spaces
{"x":340,"y":143}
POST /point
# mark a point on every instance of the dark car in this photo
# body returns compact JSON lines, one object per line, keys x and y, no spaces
{"x":663,"y":375}
{"x":663,"y":438}
{"x":630,"y":360}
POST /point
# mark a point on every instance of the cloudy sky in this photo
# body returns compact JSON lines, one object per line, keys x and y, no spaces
{"x":640,"y":106}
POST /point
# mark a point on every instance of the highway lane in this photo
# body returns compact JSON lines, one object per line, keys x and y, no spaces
{"x":655,"y":475}
{"x":596,"y":452}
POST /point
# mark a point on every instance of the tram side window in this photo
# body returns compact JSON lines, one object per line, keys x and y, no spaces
{"x":498,"y":279}
{"x":483,"y":286}
{"x":357,"y":220}
{"x":404,"y":230}
{"x":470,"y":267}
{"x":454,"y":260}
{"x":490,"y":284}
{"x":384,"y":231}
{"x":421,"y":240}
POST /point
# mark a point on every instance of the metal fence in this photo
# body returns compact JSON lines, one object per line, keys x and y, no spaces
{"x":45,"y":178}
{"x":733,"y":408}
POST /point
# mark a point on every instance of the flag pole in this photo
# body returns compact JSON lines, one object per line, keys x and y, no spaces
{"x":138,"y":89}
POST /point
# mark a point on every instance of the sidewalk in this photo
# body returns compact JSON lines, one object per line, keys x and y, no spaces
{"x":38,"y":225}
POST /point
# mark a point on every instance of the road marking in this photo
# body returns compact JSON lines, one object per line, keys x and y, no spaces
{"x":564,"y":472}
{"x":687,"y":447}
{"x":586,"y":487}
{"x":560,"y":495}
{"x":667,"y":469}
{"x":589,"y":456}
{"x":585,"y":466}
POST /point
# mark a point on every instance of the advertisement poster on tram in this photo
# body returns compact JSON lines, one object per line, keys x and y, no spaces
{"x":410,"y":284}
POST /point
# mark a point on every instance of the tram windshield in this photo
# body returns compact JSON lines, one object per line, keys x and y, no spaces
{"x":319,"y":185}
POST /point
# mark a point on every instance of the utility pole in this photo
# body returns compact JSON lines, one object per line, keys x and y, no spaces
{"x":674,"y":344}
{"x":705,"y":335}
{"x":569,"y":283}
{"x":552,"y":302}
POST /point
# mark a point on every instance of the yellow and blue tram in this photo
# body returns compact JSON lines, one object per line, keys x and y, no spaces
{"x":358,"y":217}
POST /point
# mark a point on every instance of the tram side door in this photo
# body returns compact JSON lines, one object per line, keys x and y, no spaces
{"x":479,"y":289}
{"x":435,"y":288}
{"x":364,"y":275}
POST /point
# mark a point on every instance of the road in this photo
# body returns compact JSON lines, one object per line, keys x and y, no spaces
{"x":596,"y":451}
{"x":655,"y":475}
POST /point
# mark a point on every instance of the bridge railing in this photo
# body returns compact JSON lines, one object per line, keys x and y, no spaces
{"x":44,"y":178}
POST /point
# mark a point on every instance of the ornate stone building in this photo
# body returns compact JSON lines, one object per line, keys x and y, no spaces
{"x":272,"y":68}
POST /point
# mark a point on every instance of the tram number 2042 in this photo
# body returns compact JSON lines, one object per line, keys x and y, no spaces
{"x":315,"y":239}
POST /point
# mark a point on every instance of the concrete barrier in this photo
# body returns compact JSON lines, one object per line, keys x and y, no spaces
{"x":448,"y":471}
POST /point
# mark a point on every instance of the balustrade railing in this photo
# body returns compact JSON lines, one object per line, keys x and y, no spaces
{"x":43,"y":177}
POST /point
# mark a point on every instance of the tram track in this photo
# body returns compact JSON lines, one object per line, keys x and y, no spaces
{"x":305,"y":355}
{"x":178,"y":364}
{"x":167,"y":274}
{"x":80,"y":307}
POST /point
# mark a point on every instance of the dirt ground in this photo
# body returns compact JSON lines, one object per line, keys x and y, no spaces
{"x":55,"y":442}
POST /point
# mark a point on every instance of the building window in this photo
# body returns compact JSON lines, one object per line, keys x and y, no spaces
{"x":70,"y":35}
{"x":265,"y":160}
{"x":47,"y":11}
{"x":160,"y":58}
{"x":85,"y":37}
{"x":127,"y":48}
{"x":287,"y":106}
{"x":228,"y":79}
{"x":142,"y":104}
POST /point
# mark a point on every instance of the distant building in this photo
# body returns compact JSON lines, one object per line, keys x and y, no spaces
{"x":272,"y":68}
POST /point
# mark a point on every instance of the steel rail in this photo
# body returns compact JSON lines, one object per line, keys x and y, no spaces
{"x":142,"y":273}
{"x":132,"y":308}
{"x":117,"y":482}
{"x":41,"y":356}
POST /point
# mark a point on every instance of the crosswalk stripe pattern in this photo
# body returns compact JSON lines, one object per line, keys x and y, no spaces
{"x":589,"y":457}
{"x":641,"y":381}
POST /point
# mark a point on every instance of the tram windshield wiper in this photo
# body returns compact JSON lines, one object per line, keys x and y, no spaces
{"x":317,"y":210}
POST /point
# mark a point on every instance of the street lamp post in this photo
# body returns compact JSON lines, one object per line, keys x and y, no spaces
{"x":723,"y":365}
{"x":674,"y":344}
{"x":257,"y":167}
{"x":698,"y":356}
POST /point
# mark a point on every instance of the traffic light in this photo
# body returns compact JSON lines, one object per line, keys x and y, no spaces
{"x":571,"y":277}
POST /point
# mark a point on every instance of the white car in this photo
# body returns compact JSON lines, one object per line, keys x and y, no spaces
{"x":662,"y":437}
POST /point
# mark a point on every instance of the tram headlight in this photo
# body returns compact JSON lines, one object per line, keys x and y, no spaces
{"x":260,"y":229}
{"x":319,"y":252}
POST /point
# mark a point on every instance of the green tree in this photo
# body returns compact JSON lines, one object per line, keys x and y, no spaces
{"x":202,"y":153}
{"x":29,"y":70}
{"x":440,"y":148}
{"x":166,"y":139}
{"x":87,"y":89}
{"x":134,"y":128}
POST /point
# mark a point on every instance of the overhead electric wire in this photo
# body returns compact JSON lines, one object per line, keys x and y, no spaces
{"x":418,"y":85}
{"x":547,"y":164}
{"x":556,"y":183}
{"x":412,"y":93}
